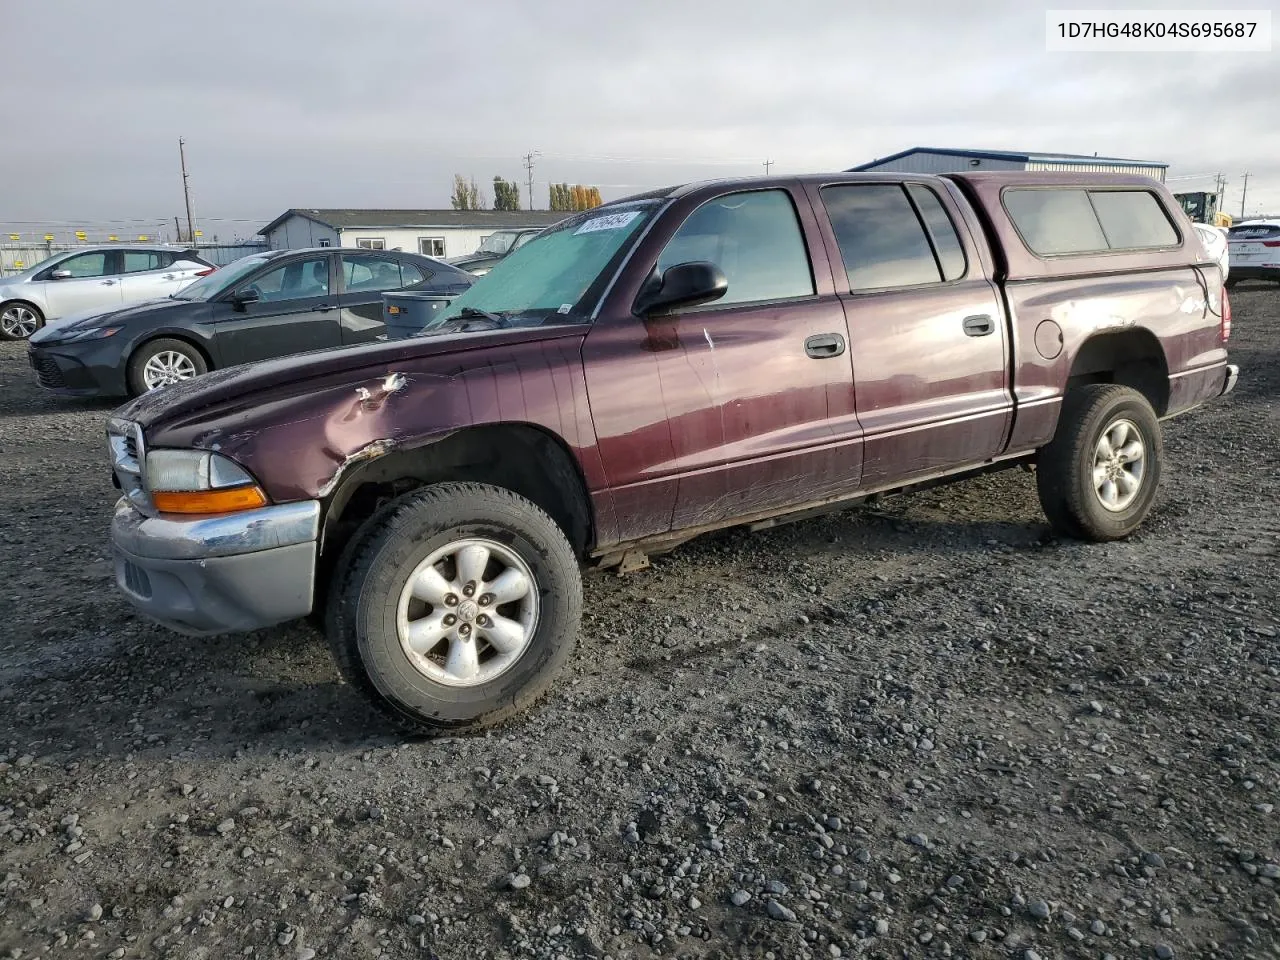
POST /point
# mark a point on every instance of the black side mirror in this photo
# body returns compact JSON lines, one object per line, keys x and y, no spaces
{"x":243,"y":298}
{"x":683,"y":285}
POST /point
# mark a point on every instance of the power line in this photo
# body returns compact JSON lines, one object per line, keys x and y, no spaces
{"x":1243,"y":191}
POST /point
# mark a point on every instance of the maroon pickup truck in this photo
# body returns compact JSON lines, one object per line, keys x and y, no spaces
{"x":717,"y":354}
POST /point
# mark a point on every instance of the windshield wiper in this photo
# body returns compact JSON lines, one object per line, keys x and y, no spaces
{"x":467,"y":313}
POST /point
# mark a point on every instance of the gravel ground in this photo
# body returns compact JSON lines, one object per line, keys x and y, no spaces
{"x":927,"y":729}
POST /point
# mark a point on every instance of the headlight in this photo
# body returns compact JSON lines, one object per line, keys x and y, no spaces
{"x":90,"y":333}
{"x":197,"y":481}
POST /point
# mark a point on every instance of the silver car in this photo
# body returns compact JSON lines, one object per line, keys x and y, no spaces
{"x":92,"y":278}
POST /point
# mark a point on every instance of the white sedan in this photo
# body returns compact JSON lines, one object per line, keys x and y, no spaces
{"x":92,"y":278}
{"x":1255,"y":250}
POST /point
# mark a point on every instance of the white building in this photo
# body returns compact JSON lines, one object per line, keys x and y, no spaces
{"x":936,"y":160}
{"x":436,"y":233}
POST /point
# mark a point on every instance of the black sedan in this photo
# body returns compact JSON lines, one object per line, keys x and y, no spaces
{"x":266,"y":305}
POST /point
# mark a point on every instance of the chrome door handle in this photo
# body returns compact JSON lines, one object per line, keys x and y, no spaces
{"x":170,"y":276}
{"x":108,"y":283}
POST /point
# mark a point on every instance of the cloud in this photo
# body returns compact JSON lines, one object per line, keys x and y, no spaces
{"x":378,"y":103}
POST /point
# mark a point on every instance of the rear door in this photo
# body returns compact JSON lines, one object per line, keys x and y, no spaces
{"x":740,"y":407}
{"x":94,"y":283}
{"x":147,"y":275}
{"x":927,"y":334}
{"x":364,"y":279}
{"x":296,"y":312}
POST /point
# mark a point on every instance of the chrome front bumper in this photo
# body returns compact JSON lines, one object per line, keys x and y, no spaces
{"x":223,"y":574}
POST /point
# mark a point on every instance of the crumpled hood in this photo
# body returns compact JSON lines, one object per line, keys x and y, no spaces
{"x":247,"y":385}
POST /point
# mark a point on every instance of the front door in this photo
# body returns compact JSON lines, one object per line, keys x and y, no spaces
{"x":740,"y":407}
{"x":93,"y":284}
{"x":927,"y":333}
{"x":296,"y":311}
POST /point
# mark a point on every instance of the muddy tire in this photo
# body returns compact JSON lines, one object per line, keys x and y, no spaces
{"x":455,"y":607}
{"x":1098,"y":477}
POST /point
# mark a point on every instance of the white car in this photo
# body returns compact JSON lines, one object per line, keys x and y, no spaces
{"x":1215,"y":244}
{"x":1255,"y":250}
{"x":92,"y":278}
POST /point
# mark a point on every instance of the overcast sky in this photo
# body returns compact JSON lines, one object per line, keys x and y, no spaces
{"x":377,"y":103}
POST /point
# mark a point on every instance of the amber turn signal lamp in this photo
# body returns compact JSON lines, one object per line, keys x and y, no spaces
{"x":227,"y":500}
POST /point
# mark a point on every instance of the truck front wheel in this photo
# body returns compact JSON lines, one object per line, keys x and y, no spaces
{"x":1098,"y":477}
{"x":456,"y":606}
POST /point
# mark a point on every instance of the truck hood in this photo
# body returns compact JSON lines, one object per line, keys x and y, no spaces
{"x":245,"y":386}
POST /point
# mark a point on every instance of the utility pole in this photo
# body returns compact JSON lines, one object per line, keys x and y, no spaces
{"x":528,"y":166}
{"x":767,"y":165}
{"x":186,"y":192}
{"x":1243,"y":190}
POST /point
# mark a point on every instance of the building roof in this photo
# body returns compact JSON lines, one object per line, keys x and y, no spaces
{"x":1013,"y":155}
{"x":484,"y":219}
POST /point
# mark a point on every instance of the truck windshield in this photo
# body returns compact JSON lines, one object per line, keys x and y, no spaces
{"x":553,"y":275}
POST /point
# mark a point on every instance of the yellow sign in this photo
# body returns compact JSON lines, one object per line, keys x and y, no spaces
{"x":199,"y":233}
{"x":113,"y":237}
{"x":79,"y":234}
{"x":48,"y":236}
{"x":142,"y":236}
{"x":14,"y":236}
{"x":18,"y":264}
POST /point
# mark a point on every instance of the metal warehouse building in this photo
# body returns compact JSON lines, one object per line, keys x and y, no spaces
{"x":937,"y":160}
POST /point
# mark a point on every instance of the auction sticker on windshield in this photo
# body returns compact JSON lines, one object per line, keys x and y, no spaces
{"x":611,"y":222}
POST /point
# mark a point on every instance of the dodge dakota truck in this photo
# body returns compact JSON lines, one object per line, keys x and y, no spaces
{"x":717,"y":354}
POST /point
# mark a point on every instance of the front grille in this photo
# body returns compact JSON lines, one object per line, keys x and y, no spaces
{"x":47,"y":371}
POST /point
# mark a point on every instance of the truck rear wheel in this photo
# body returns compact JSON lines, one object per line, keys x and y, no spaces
{"x":1098,"y":477}
{"x":456,"y":606}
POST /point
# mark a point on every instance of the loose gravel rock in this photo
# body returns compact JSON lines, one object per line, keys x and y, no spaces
{"x":891,"y":732}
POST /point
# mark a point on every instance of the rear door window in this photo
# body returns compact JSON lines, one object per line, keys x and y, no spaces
{"x":362,"y":274}
{"x":140,"y":261}
{"x":946,"y":242}
{"x":754,"y":238}
{"x":882,"y":241}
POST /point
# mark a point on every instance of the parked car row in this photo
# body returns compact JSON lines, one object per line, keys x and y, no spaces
{"x":265,"y":305}
{"x":92,"y":278}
